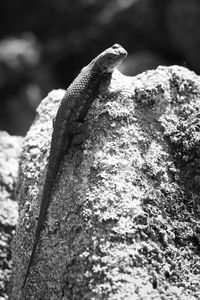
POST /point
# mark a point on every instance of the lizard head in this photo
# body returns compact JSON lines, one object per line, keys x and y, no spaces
{"x":106,"y":61}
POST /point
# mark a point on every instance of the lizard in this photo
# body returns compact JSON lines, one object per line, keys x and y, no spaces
{"x":68,"y":123}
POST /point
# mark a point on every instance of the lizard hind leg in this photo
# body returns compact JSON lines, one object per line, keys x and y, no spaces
{"x":78,"y":133}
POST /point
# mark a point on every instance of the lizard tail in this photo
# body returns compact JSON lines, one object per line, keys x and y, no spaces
{"x":30,"y":263}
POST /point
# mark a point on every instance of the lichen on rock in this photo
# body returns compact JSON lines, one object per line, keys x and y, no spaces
{"x":10,"y":147}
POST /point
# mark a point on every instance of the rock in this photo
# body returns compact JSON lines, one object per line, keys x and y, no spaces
{"x":123,"y":222}
{"x":10,"y":147}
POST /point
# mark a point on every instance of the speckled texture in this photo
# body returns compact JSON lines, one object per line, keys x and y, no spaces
{"x":10,"y":147}
{"x":123,"y":222}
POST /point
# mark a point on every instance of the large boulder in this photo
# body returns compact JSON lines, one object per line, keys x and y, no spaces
{"x":123,"y":220}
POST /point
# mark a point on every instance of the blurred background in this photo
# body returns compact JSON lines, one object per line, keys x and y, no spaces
{"x":44,"y":44}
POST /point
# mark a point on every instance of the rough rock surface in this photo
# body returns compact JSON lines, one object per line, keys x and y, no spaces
{"x":10,"y":147}
{"x":123,"y":222}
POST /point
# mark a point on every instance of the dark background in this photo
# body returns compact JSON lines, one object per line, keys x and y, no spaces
{"x":44,"y":44}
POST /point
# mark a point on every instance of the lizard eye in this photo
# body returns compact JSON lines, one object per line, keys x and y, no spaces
{"x":116,"y":46}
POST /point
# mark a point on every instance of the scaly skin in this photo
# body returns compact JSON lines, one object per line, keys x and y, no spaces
{"x":72,"y":111}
